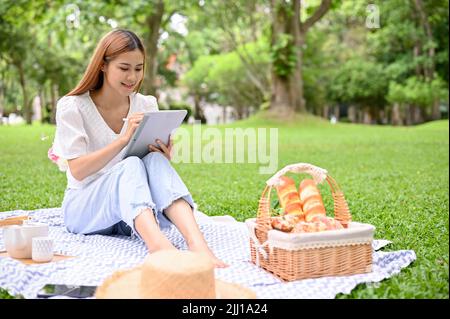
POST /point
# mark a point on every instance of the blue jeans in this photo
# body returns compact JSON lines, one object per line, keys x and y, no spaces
{"x":110,"y":204}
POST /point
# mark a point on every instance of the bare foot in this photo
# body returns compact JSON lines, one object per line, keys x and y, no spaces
{"x":203,"y":247}
{"x":163,"y":245}
{"x":164,"y":248}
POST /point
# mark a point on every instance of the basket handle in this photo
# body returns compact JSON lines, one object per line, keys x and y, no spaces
{"x":341,"y":209}
{"x":318,"y":174}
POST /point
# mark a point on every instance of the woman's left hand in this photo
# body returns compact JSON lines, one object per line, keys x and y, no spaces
{"x":164,"y":149}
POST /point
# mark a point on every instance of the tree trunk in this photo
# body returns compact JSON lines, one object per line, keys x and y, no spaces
{"x":2,"y":108}
{"x":417,"y":113}
{"x":377,"y":115}
{"x":42,"y":103}
{"x":198,"y":111}
{"x":287,"y":90}
{"x":239,"y":112}
{"x":224,"y":120}
{"x":54,"y":99}
{"x":337,"y":112}
{"x":282,"y":85}
{"x":367,"y":117}
{"x":388,"y":116}
{"x":248,"y":111}
{"x":280,"y":101}
{"x":429,"y":68}
{"x":408,"y":115}
{"x":26,"y":106}
{"x":359,"y":115}
{"x":153,"y":23}
{"x":435,"y":111}
{"x":326,"y":111}
{"x":298,"y":99}
{"x":396,"y":115}
{"x":352,"y":114}
{"x":381,"y":116}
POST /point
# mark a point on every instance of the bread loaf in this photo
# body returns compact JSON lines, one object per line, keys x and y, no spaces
{"x":318,"y":223}
{"x":281,"y":224}
{"x":311,"y":200}
{"x":289,"y":197}
{"x":331,"y":223}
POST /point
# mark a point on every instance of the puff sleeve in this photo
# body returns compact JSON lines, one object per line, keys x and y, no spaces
{"x":71,"y":139}
{"x":148,"y":103}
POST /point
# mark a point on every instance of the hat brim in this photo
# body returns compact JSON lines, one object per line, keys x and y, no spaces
{"x":125,"y":285}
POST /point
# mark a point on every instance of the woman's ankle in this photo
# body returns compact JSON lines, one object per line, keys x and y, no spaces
{"x":153,"y":247}
{"x":197,"y":244}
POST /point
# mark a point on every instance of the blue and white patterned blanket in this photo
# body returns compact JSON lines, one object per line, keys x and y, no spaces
{"x":98,"y":256}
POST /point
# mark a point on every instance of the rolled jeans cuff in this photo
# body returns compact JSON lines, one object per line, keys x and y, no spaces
{"x":187,"y":197}
{"x":138,"y":209}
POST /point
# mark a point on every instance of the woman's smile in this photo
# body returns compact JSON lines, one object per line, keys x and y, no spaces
{"x":130,"y":87}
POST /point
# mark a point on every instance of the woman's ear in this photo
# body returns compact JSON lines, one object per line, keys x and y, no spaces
{"x":103,"y":68}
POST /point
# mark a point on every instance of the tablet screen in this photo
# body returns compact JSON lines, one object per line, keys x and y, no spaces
{"x":155,"y":125}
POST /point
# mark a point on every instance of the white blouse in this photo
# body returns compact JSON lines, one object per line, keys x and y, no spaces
{"x":80,"y":130}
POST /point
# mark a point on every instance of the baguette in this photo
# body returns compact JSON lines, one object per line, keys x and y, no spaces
{"x":311,"y":200}
{"x":289,"y":197}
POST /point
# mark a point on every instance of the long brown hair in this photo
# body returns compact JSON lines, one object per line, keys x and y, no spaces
{"x":111,"y":45}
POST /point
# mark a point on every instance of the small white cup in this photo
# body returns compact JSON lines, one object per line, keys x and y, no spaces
{"x":42,"y":249}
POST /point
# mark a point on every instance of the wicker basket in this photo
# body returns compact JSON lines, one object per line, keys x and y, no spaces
{"x":294,"y":256}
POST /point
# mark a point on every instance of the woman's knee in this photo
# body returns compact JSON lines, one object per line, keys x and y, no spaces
{"x":132,"y":161}
{"x":154,"y":158}
{"x":132,"y":167}
{"x":132,"y":164}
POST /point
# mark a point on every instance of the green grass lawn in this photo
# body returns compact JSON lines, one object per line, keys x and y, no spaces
{"x":395,"y":178}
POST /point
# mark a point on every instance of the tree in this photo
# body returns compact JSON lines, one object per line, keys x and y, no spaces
{"x":16,"y":41}
{"x":428,"y":44}
{"x":195,"y":80}
{"x":414,"y":98}
{"x":360,"y":83}
{"x":241,"y":22}
{"x":153,"y":18}
{"x":287,"y":40}
{"x":186,"y":45}
{"x":222,"y":78}
{"x":399,"y":45}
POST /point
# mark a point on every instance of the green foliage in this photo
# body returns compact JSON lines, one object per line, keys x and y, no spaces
{"x":169,"y":76}
{"x":316,"y":82}
{"x":224,"y":78}
{"x":283,"y":55}
{"x":196,"y":77}
{"x":360,"y":82}
{"x":416,"y":91}
{"x":227,"y":51}
{"x":391,"y":48}
{"x":181,"y":106}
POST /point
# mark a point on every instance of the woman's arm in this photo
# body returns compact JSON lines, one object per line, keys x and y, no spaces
{"x":89,"y":164}
{"x":83,"y":166}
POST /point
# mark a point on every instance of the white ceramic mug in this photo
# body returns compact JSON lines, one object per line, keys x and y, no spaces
{"x":18,"y":239}
{"x":42,"y":249}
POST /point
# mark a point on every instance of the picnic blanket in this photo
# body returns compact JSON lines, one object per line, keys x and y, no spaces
{"x":98,"y":256}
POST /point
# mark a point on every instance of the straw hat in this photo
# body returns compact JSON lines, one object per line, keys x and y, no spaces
{"x":171,"y":274}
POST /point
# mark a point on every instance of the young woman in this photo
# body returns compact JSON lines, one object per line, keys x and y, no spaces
{"x":107,"y":195}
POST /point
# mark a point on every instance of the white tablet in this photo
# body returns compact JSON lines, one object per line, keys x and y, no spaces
{"x":154,"y":125}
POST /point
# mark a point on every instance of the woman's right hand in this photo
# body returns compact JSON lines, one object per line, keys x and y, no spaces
{"x":132,"y":124}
